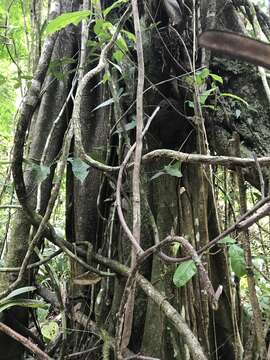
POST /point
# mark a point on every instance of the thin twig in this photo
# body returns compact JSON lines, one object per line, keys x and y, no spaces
{"x":81,"y":87}
{"x":260,"y":175}
{"x":34,"y":265}
{"x":119,"y":184}
{"x":136,"y":198}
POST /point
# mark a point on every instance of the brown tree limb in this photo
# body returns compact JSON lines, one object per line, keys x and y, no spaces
{"x":82,"y":85}
{"x":119,"y":185}
{"x":25,"y":342}
{"x":124,"y":336}
{"x":34,"y":265}
{"x":228,"y":161}
{"x":257,"y":315}
{"x":125,"y":302}
{"x":237,"y":46}
{"x":29,"y":104}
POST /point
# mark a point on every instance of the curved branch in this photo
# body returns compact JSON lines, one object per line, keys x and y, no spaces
{"x":25,"y":342}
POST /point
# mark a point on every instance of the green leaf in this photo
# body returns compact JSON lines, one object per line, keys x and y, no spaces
{"x":105,"y":103}
{"x":40,"y":172}
{"x":184,"y":273}
{"x":98,"y":27}
{"x":158,"y":174}
{"x":127,"y":127}
{"x":18,"y":292}
{"x":190,"y":103}
{"x":116,"y":66}
{"x":29,"y":303}
{"x":237,"y":260}
{"x":131,"y":125}
{"x":118,"y":55}
{"x":235,"y":97}
{"x":58,"y":68}
{"x":203,"y":97}
{"x":106,"y":77}
{"x":66,"y":19}
{"x":258,"y":262}
{"x":237,"y":113}
{"x":121,"y":44}
{"x":50,"y":330}
{"x":216,"y":78}
{"x":17,"y":85}
{"x":252,"y":108}
{"x":174,"y":170}
{"x":201,"y":76}
{"x":103,"y":29}
{"x":204,"y":73}
{"x":113,"y":6}
{"x":79,"y":168}
{"x":42,"y":314}
{"x":129,"y":35}
{"x":227,"y":241}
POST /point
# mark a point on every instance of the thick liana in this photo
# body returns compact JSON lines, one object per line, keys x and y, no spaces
{"x":236,"y":46}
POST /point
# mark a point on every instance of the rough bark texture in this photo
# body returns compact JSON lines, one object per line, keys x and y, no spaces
{"x":183,"y":206}
{"x":46,"y":113}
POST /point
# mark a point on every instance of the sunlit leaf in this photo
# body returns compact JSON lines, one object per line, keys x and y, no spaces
{"x":129,"y":35}
{"x":118,"y":55}
{"x":237,"y":260}
{"x":121,"y":44}
{"x":203,"y":97}
{"x":105,"y":103}
{"x":66,"y":19}
{"x":127,"y":127}
{"x":174,"y":170}
{"x":216,"y":77}
{"x":227,"y":241}
{"x":106,"y":77}
{"x":29,"y":303}
{"x":184,"y":273}
{"x":18,"y":292}
{"x":237,"y":113}
{"x":40,"y":172}
{"x":113,"y":6}
{"x":50,"y":330}
{"x":212,"y":107}
{"x":116,"y":66}
{"x":80,"y":169}
{"x":158,"y":174}
{"x":201,"y":75}
{"x":103,"y":29}
{"x":190,"y":103}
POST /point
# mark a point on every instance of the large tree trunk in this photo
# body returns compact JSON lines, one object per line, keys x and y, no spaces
{"x":183,"y":205}
{"x":43,"y":120}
